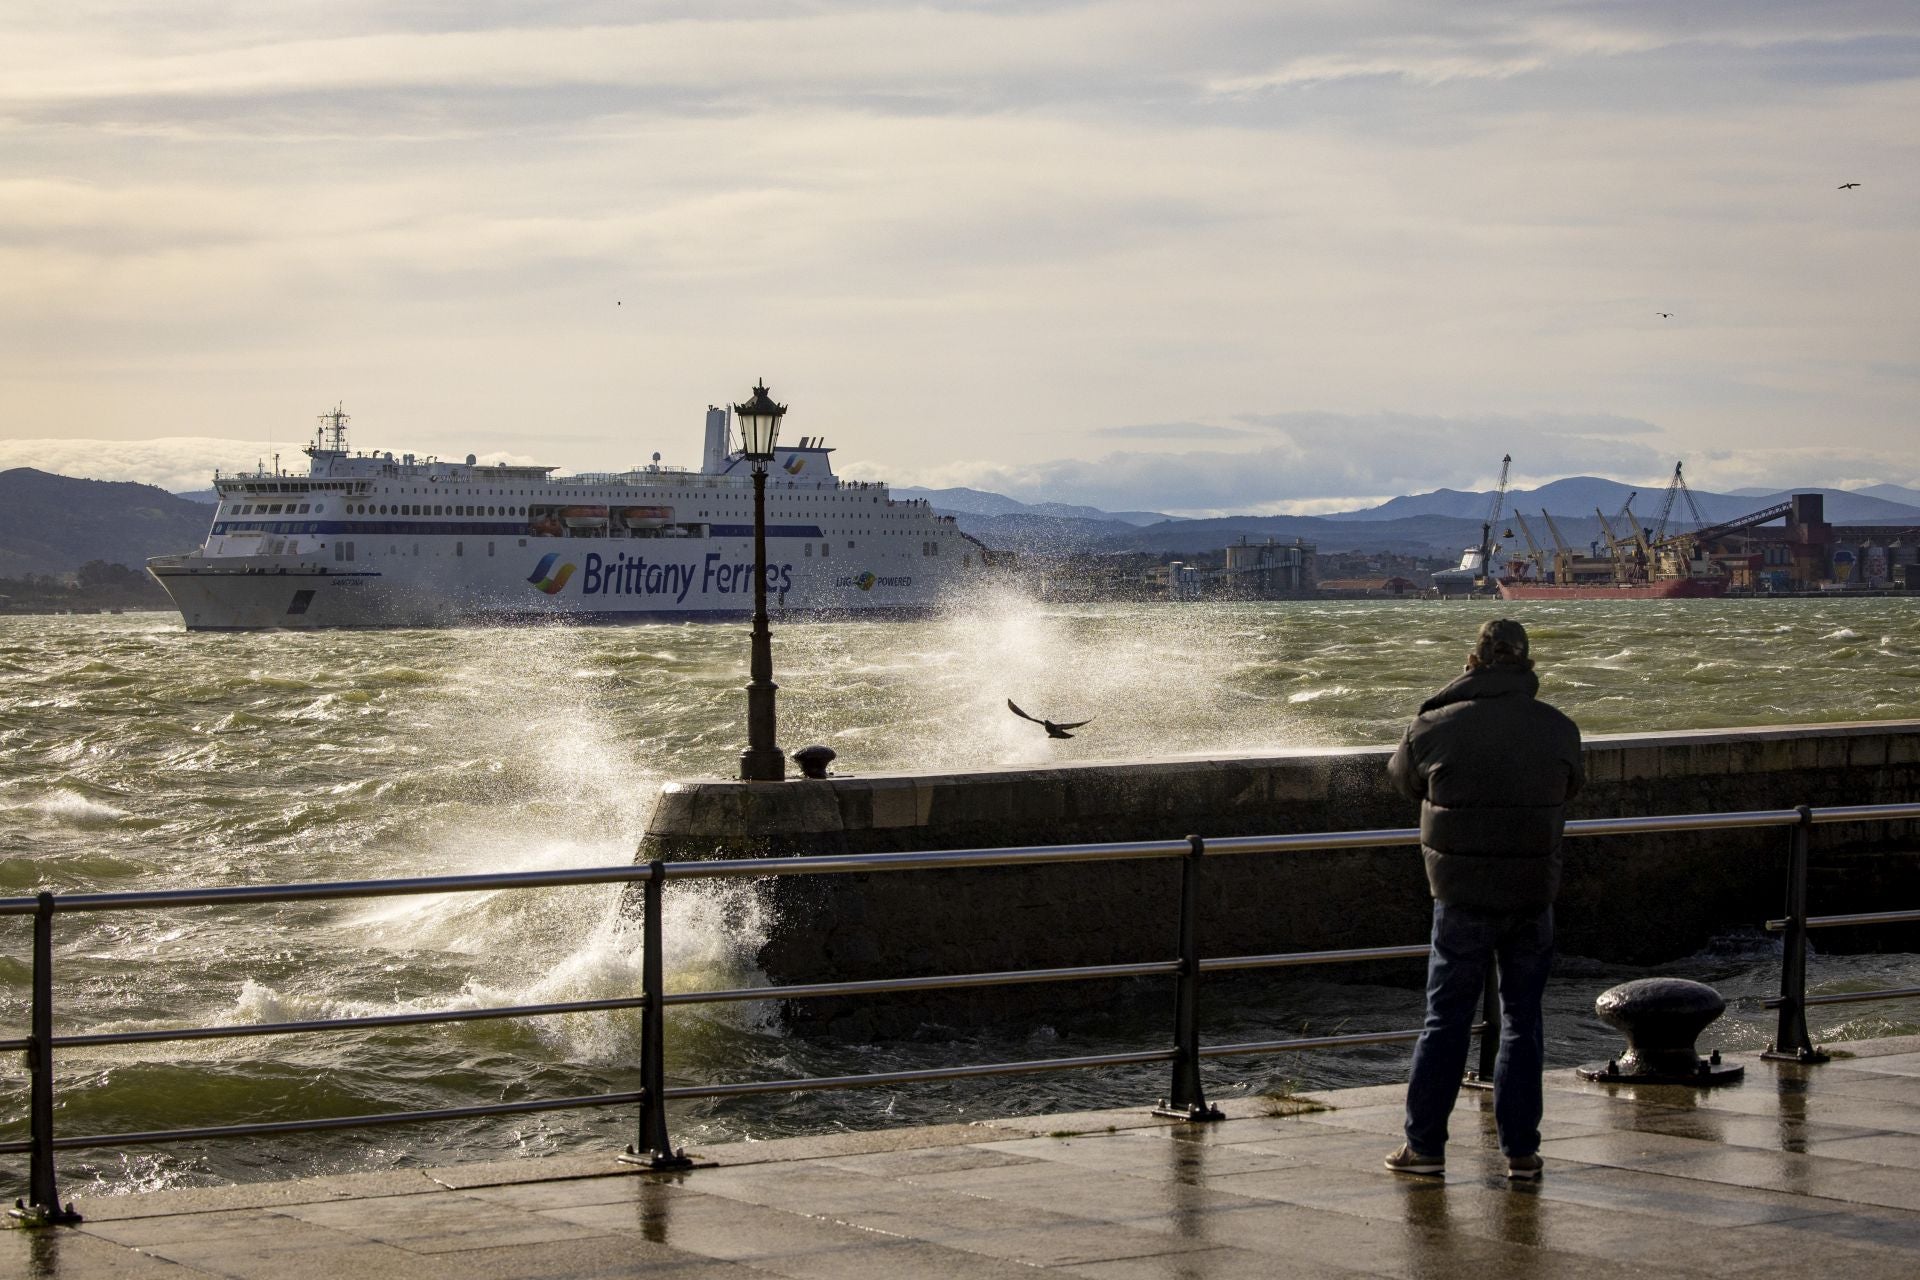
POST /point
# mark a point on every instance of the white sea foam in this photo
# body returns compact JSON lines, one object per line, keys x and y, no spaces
{"x":74,"y":809}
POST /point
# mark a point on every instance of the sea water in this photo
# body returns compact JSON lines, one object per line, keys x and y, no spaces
{"x":134,"y":755}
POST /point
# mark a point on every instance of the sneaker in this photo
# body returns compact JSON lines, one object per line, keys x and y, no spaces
{"x":1524,"y":1168}
{"x":1405,"y":1160}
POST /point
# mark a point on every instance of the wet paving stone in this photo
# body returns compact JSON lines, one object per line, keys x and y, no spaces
{"x":1820,"y":1165}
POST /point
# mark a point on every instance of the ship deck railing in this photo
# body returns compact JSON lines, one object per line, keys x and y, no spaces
{"x":1182,"y":1054}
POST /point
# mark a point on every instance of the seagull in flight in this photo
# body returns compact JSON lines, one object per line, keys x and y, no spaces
{"x":1053,"y":730}
{"x":1846,"y":186}
{"x":1664,"y":315}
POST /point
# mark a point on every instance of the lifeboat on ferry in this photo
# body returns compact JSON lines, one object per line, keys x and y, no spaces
{"x":584,"y":517}
{"x":646,"y":517}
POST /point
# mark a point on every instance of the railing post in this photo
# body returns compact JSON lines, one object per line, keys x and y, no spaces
{"x":1791,"y":1043}
{"x":42,"y":1205}
{"x":1188,"y":1101}
{"x":1482,"y":1074}
{"x":654,"y":1149}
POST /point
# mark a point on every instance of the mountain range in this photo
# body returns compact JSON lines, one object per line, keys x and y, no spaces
{"x":54,"y":524}
{"x":1440,"y":522}
{"x":1582,"y":495}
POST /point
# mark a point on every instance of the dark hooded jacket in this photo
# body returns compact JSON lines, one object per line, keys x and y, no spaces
{"x":1492,"y":768}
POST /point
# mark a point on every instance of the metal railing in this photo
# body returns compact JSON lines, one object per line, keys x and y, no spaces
{"x":1792,"y":1041}
{"x":1186,"y":1098}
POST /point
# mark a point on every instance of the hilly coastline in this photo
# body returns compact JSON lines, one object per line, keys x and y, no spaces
{"x":52,"y":524}
{"x":1439,"y":522}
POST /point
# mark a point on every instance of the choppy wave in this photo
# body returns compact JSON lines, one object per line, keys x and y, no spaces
{"x":71,"y":808}
{"x":133,"y":754}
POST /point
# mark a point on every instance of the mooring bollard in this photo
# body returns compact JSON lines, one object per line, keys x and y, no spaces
{"x":813,"y":761}
{"x":1661,"y":1018}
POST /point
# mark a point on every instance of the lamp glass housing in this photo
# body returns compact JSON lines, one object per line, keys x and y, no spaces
{"x":759,"y":425}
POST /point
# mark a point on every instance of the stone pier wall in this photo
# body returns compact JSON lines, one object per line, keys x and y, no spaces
{"x":1631,"y":899}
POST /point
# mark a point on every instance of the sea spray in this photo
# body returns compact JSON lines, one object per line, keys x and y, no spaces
{"x":270,"y":757}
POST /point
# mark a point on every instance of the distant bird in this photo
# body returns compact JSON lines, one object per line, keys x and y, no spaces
{"x":1846,"y":186}
{"x":616,"y":302}
{"x":1664,"y":315}
{"x":1053,"y":730}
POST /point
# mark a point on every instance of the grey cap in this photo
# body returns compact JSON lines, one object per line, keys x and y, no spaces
{"x":1501,"y":637}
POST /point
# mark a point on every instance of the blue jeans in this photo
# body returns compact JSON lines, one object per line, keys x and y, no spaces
{"x":1465,"y":942}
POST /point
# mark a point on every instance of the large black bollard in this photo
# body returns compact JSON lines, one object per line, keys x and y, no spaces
{"x":1661,"y":1018}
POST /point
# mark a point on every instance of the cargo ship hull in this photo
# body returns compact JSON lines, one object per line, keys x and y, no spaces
{"x":1664,"y":589}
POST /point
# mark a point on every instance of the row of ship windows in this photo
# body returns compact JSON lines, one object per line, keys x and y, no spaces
{"x":926,"y":549}
{"x":857,"y":515}
{"x":428,"y":509}
{"x":290,"y":486}
{"x":407,"y":509}
{"x":343,"y":550}
{"x":275,"y":509}
{"x":597,"y":496}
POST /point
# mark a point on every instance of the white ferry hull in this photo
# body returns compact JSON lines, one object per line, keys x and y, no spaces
{"x":586,"y":581}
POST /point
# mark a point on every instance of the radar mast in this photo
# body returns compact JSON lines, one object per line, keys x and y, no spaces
{"x":332,"y":436}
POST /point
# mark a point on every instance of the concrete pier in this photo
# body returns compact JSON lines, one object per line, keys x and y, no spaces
{"x":1798,"y":1171}
{"x":1632,"y":899}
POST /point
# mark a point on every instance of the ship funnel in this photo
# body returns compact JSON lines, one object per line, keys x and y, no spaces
{"x":714,"y":461}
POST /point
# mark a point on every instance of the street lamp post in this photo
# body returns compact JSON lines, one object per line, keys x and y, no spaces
{"x":762,"y":761}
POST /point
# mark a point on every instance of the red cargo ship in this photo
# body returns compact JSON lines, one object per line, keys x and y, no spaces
{"x":1701,"y":588}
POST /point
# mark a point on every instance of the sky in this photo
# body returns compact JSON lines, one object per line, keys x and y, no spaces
{"x":1199,"y":258}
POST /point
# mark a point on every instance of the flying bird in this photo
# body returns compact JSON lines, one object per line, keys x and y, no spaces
{"x":1846,"y":186}
{"x":1664,"y":315}
{"x":1053,"y":730}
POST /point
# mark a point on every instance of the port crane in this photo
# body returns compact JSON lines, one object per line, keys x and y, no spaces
{"x":1563,"y":554}
{"x":1673,"y":551}
{"x":1623,"y":567}
{"x":1493,"y":518}
{"x":1534,"y":553}
{"x":1687,"y":547}
{"x":1676,"y":488}
{"x":1643,"y":553}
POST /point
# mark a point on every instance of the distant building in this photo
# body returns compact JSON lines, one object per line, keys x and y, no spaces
{"x":1373,"y":587}
{"x":1269,"y":570}
{"x":1808,"y":553}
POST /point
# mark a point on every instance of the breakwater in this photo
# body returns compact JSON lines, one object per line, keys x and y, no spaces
{"x":1635,"y":900}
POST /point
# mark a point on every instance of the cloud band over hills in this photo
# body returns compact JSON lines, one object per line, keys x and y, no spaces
{"x":1293,"y":463}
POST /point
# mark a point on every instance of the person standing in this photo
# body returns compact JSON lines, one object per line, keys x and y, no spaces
{"x":1492,"y":767}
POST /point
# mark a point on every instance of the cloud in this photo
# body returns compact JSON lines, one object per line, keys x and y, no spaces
{"x":1312,"y":426}
{"x":179,"y":464}
{"x":1299,"y":464}
{"x":1169,"y":431}
{"x":1827,"y":466}
{"x":1325,"y":462}
{"x":1108,"y":221}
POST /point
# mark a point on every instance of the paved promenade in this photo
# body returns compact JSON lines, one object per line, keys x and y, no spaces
{"x":1812,"y":1171}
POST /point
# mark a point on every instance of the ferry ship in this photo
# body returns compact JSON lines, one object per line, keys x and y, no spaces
{"x":371,"y":540}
